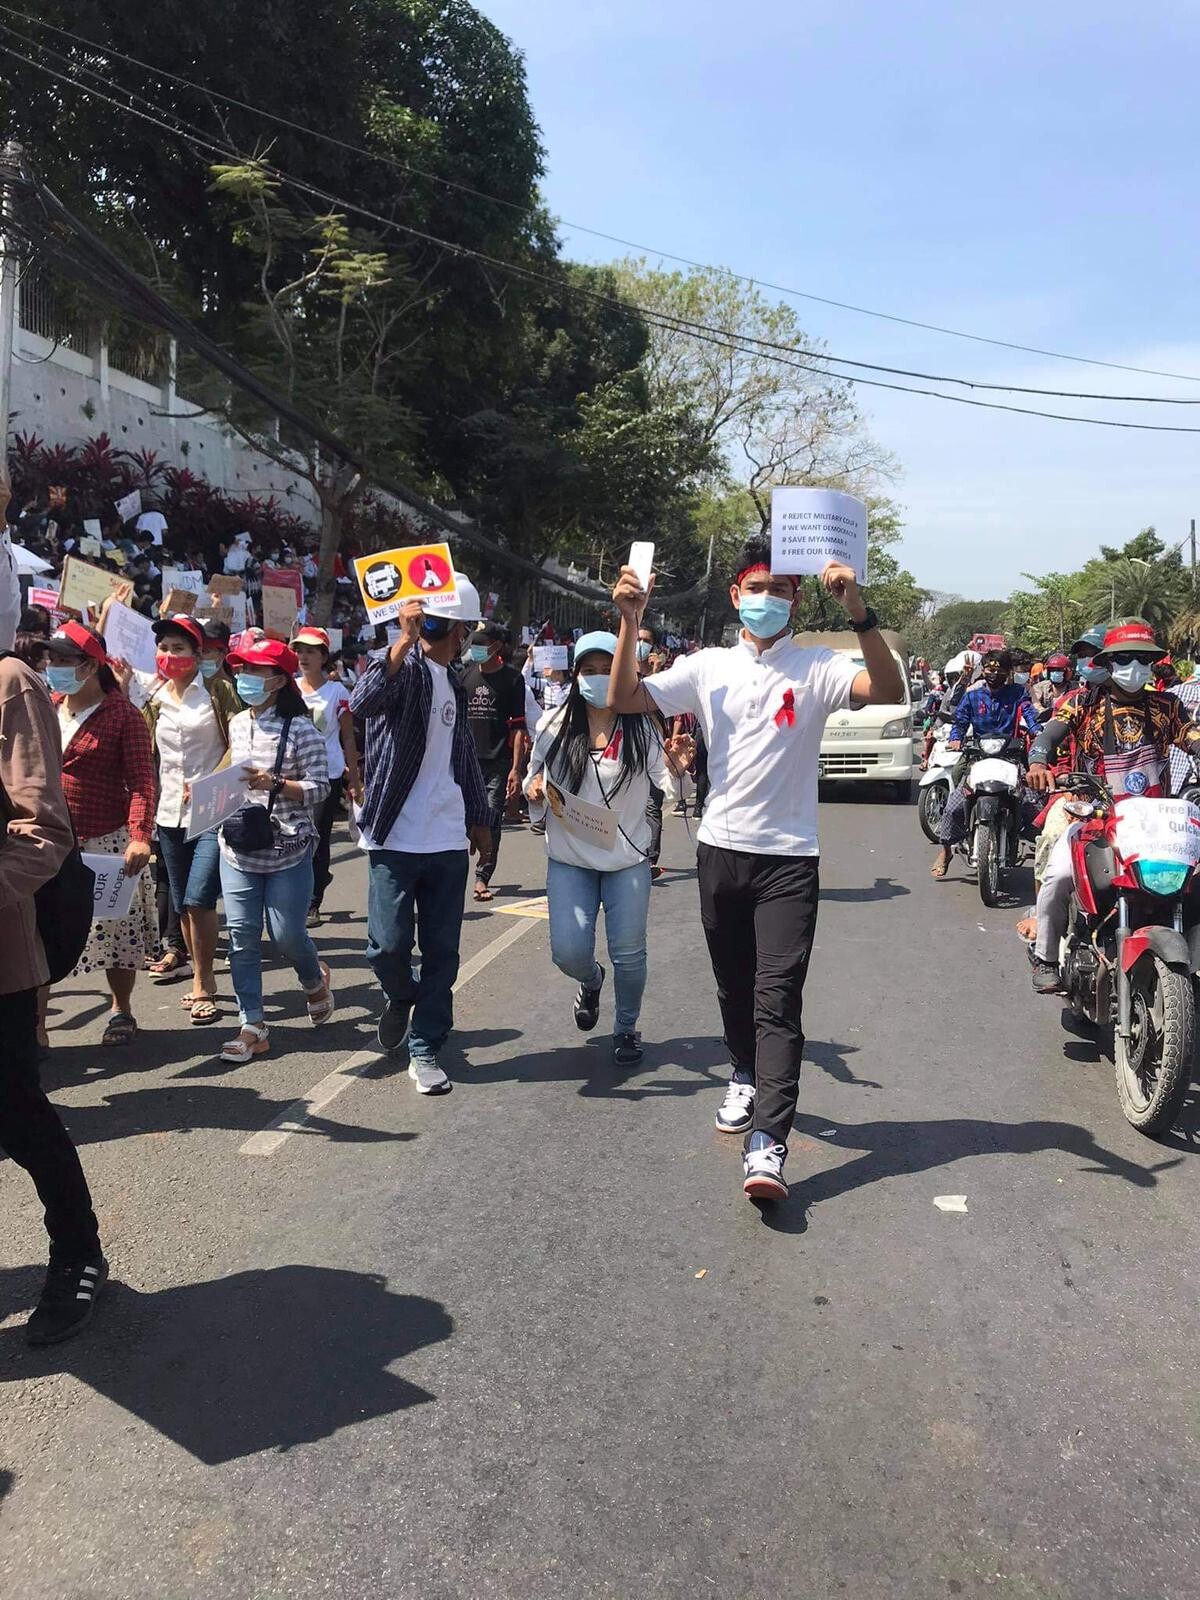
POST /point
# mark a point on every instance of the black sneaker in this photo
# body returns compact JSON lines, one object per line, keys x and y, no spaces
{"x":393,"y":1025}
{"x":1045,"y":975}
{"x":68,"y":1300}
{"x":627,"y":1050}
{"x":587,"y":1003}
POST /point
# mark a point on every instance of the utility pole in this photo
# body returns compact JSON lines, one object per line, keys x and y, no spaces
{"x":1193,"y":539}
{"x":10,"y":166}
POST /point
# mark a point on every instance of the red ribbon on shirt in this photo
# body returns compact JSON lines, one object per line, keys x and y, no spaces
{"x":613,"y":753}
{"x":785,"y":717}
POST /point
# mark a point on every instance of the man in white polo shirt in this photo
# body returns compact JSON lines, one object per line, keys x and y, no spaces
{"x":762,"y":706}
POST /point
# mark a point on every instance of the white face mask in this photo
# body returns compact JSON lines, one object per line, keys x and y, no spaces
{"x":1133,"y":677}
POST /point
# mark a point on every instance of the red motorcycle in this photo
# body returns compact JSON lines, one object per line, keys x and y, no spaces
{"x":1132,"y":946}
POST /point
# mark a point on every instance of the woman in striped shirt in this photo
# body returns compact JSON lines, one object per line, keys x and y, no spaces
{"x":273,"y":876}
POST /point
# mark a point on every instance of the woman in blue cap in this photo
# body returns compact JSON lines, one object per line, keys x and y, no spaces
{"x":591,"y":769}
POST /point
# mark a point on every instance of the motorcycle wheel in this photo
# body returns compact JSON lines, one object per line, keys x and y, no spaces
{"x":930,"y":808}
{"x":1154,"y":1068}
{"x":987,"y":860}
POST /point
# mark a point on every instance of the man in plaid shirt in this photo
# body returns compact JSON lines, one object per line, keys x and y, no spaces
{"x":424,"y":798}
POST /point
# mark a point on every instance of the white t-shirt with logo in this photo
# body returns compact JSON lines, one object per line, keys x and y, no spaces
{"x":328,"y":704}
{"x":434,"y":817}
{"x":762,"y":763}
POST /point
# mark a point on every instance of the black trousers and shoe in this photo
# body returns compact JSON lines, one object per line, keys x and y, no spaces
{"x":32,"y":1135}
{"x":654,"y":814}
{"x":495,"y":778}
{"x":326,"y":817}
{"x":760,"y":916}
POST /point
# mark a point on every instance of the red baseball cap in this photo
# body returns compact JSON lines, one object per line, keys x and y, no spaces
{"x":265,"y":653}
{"x":181,"y":623}
{"x":74,"y":640}
{"x":1134,"y":636}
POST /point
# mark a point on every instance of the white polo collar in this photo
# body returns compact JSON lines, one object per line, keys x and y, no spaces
{"x":769,"y":654}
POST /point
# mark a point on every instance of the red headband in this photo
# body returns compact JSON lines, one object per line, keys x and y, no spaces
{"x":761,"y":566}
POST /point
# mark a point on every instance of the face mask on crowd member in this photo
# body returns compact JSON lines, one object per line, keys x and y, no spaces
{"x":256,"y":685}
{"x":484,"y":648}
{"x":180,"y":645}
{"x":764,"y":601}
{"x":1129,"y":653}
{"x":593,"y":668}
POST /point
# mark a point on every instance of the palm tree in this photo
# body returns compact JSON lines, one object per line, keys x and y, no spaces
{"x":1128,"y":586}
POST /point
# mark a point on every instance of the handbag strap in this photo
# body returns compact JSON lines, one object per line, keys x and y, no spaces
{"x":279,"y":755}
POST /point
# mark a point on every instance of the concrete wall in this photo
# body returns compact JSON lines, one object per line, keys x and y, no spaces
{"x":65,"y":396}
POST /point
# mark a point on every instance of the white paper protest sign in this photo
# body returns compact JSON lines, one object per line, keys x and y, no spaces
{"x":551,"y":657}
{"x":182,"y":578}
{"x":217,"y":798}
{"x":130,"y":637}
{"x":596,"y":824}
{"x":1166,"y":831}
{"x":130,"y":506}
{"x":92,"y":528}
{"x":335,"y":640}
{"x":113,"y":891}
{"x":812,"y":527}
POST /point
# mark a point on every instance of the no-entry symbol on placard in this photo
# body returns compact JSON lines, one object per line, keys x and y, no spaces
{"x":417,"y":572}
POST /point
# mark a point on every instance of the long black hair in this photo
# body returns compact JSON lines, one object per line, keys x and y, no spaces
{"x":289,"y":702}
{"x":573,"y":742}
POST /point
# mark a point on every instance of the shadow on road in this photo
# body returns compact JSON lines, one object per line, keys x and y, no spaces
{"x":832,"y":1059}
{"x":184,"y":1108}
{"x":260,"y":1360}
{"x":591,"y":1061}
{"x":900,"y":1149}
{"x":881,"y":889}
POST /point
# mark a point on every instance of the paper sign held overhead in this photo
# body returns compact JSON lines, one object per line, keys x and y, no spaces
{"x":178,"y":602}
{"x":130,"y":506}
{"x":812,"y":527}
{"x":182,"y":578}
{"x":278,"y":612}
{"x":84,"y":585}
{"x":92,"y":528}
{"x":130,"y":637}
{"x":416,"y":572}
{"x":221,"y":584}
{"x":551,"y":657}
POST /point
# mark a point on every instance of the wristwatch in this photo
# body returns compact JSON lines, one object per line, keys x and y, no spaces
{"x":868,"y":622}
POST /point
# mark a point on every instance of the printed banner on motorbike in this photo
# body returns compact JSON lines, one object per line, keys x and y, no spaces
{"x":1166,"y":831}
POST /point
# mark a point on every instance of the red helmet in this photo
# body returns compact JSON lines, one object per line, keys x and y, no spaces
{"x":1134,"y":636}
{"x":1057,"y":663}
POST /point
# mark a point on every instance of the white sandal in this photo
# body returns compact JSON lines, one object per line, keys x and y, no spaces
{"x":242,"y":1049}
{"x":321,"y":1010}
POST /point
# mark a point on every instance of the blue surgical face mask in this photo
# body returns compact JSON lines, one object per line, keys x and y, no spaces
{"x":1092,"y":675}
{"x":1057,"y":677}
{"x":1021,"y":677}
{"x":253,"y":689}
{"x":643,"y":650}
{"x":593,"y":686}
{"x":63,"y":680}
{"x":764,"y":615}
{"x":479,"y":652}
{"x":209,"y":670}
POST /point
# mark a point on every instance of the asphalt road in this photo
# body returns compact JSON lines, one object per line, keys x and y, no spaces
{"x":530,"y":1340}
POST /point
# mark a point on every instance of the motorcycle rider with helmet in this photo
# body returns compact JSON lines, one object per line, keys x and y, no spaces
{"x":1047,"y":691}
{"x":990,"y":709}
{"x":1123,"y":732}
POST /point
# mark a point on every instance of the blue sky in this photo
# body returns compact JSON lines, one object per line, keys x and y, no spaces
{"x":1026,"y":173}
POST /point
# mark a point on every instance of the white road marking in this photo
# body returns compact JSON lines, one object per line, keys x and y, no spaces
{"x":293,"y":1118}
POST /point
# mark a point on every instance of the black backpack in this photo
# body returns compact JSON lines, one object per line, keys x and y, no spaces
{"x":64,"y":906}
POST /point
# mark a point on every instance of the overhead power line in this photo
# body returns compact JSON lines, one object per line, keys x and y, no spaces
{"x":185,"y":128}
{"x":628,"y":244}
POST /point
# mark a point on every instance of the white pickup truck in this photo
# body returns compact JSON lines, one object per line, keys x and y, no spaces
{"x":874,"y":745}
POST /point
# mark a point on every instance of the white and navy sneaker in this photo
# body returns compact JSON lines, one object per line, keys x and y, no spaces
{"x":763,"y":1167}
{"x":587,"y":1003}
{"x":737,"y":1108}
{"x":428,"y":1076}
{"x":67,"y":1301}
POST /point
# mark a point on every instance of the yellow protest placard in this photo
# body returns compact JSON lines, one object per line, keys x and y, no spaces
{"x":389,"y":578}
{"x":84,"y":585}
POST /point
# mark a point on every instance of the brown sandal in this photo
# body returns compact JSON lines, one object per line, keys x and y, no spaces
{"x":203,"y":1009}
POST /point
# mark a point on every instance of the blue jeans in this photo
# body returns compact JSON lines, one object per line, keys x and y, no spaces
{"x":193,"y":868}
{"x":576,"y":895}
{"x":284,"y":897}
{"x":408,"y":895}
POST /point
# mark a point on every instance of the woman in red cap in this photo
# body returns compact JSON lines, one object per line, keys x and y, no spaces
{"x":267,"y":861}
{"x":189,"y":723}
{"x":109,"y":784}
